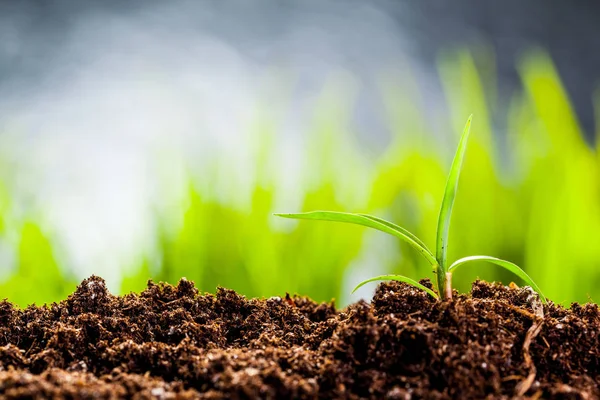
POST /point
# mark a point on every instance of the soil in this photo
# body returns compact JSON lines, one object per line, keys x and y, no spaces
{"x":173,"y":342}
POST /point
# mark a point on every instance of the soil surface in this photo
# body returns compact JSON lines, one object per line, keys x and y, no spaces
{"x":173,"y":342}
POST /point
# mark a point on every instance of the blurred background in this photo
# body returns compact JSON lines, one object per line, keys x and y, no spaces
{"x":151,"y":139}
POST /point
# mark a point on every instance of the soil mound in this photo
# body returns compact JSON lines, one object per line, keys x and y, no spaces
{"x":173,"y":342}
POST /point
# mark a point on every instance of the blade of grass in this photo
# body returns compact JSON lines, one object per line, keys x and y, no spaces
{"x":368,"y":221}
{"x":399,"y":278}
{"x":446,"y":210}
{"x":515,"y":269}
{"x":399,"y":228}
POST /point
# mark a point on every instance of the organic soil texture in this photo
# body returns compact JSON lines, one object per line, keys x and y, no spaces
{"x":173,"y":342}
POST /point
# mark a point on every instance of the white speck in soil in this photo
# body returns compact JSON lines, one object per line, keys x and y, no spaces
{"x":91,"y":285}
{"x":158,"y":392}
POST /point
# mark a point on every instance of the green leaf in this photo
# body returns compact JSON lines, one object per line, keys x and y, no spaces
{"x":368,"y":221}
{"x":397,"y":278}
{"x":400,"y":229}
{"x":515,"y":269}
{"x":448,"y":201}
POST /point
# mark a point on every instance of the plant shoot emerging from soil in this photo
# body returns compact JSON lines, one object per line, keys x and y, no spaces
{"x":439,"y":261}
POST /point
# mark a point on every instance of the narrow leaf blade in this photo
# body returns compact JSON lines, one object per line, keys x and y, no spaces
{"x":400,"y":229}
{"x":368,"y":221}
{"x":515,"y":269}
{"x":399,"y":278}
{"x":445,"y":216}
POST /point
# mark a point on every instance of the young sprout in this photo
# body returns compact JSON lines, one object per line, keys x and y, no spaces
{"x":438,"y":261}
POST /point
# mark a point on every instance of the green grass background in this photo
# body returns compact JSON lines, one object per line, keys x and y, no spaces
{"x":530,"y":195}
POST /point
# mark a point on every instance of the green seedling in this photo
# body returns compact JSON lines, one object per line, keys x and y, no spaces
{"x":439,"y":261}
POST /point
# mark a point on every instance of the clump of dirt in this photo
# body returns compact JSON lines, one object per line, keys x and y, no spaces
{"x":173,"y":342}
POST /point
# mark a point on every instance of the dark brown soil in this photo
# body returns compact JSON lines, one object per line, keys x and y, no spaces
{"x":171,"y":342}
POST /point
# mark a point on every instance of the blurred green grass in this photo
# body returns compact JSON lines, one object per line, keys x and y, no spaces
{"x":536,"y":202}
